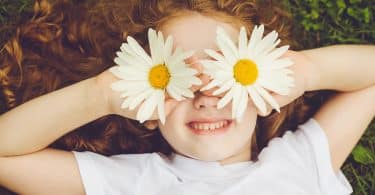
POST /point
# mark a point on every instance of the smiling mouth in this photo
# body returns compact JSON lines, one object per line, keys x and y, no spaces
{"x":205,"y":128}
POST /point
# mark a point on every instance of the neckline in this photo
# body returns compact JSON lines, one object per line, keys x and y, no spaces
{"x":193,"y":168}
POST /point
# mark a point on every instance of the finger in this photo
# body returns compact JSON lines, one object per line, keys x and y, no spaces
{"x":151,"y":124}
{"x":204,"y":78}
{"x":193,"y":61}
{"x":210,"y":92}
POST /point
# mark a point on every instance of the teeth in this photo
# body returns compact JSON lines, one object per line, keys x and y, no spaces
{"x":209,"y":126}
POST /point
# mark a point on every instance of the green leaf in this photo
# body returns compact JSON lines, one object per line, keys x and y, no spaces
{"x":367,"y":15}
{"x":363,"y":155}
{"x":341,"y":4}
{"x":314,"y":14}
{"x":355,"y":1}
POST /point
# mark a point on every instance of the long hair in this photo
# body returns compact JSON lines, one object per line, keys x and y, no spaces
{"x":69,"y":41}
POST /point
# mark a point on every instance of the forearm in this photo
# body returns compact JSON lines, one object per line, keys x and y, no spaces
{"x":342,"y":67}
{"x":37,"y":123}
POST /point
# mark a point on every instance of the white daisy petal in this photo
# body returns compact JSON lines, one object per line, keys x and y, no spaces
{"x":281,"y":63}
{"x":242,"y":105}
{"x":178,"y":57}
{"x":195,"y":81}
{"x":256,"y":36}
{"x":184,"y":72}
{"x":139,"y":98}
{"x":267,"y":97}
{"x":273,"y":72}
{"x":181,"y":91}
{"x":266,"y":42}
{"x":174,"y":92}
{"x":129,"y":60}
{"x":278,"y":52}
{"x":168,"y":48}
{"x":226,"y":99}
{"x":161,"y":107}
{"x":276,"y":81}
{"x":138,"y":49}
{"x":129,"y":73}
{"x":154,"y":47}
{"x":242,"y":43}
{"x":227,"y":46}
{"x":114,"y":70}
{"x":185,"y":82}
{"x":215,"y":55}
{"x":272,"y":86}
{"x":120,"y":61}
{"x":212,"y":84}
{"x":210,"y":66}
{"x":256,"y":98}
{"x":236,"y":99}
{"x":148,"y":107}
{"x":226,"y":86}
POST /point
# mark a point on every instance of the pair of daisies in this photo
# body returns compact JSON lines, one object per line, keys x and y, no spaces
{"x":243,"y":71}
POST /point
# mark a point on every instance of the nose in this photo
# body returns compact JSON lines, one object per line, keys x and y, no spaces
{"x":201,"y":101}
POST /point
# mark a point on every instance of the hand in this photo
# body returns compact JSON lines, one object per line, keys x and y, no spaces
{"x":114,"y":101}
{"x":301,"y":73}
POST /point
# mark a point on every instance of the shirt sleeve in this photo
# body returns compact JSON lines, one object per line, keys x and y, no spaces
{"x":116,"y":174}
{"x":330,"y":182}
{"x":306,"y":152}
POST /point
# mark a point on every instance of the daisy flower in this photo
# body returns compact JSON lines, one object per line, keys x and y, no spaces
{"x":144,"y":80}
{"x":250,"y":69}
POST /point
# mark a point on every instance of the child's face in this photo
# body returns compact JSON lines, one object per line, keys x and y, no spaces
{"x":230,"y":143}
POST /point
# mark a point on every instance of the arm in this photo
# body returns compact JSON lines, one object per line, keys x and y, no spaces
{"x":37,"y":123}
{"x":341,"y":67}
{"x":345,"y":117}
{"x":45,"y":172}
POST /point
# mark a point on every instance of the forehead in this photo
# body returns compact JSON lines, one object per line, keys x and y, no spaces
{"x":197,"y":32}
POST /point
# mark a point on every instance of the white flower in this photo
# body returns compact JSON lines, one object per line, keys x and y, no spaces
{"x":248,"y":69}
{"x":144,"y":80}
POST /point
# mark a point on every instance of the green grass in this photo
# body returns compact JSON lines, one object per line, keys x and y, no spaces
{"x":12,"y":12}
{"x":327,"y":22}
{"x":321,"y":22}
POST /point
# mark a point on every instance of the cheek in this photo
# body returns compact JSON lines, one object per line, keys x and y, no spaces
{"x":174,"y":124}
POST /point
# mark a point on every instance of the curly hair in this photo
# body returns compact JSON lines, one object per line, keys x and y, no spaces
{"x":68,"y":41}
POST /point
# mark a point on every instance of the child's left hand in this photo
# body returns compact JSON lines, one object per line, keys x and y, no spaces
{"x":301,"y":73}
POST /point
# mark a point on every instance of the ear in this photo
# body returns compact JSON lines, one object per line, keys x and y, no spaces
{"x":151,"y":124}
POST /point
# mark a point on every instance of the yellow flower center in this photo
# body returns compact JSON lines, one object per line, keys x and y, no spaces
{"x":159,"y":76}
{"x":245,"y":71}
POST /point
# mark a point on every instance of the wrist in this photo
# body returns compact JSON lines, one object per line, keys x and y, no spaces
{"x":313,"y":77}
{"x":100,"y":91}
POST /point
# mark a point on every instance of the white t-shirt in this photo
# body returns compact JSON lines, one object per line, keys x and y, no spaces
{"x":296,"y":164}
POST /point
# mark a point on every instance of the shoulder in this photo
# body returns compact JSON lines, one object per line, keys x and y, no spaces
{"x":102,"y":174}
{"x":306,"y":151}
{"x":292,"y":144}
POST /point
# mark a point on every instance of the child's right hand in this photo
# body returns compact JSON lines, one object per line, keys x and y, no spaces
{"x":114,"y":101}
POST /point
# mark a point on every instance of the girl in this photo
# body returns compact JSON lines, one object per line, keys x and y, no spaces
{"x":68,"y":49}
